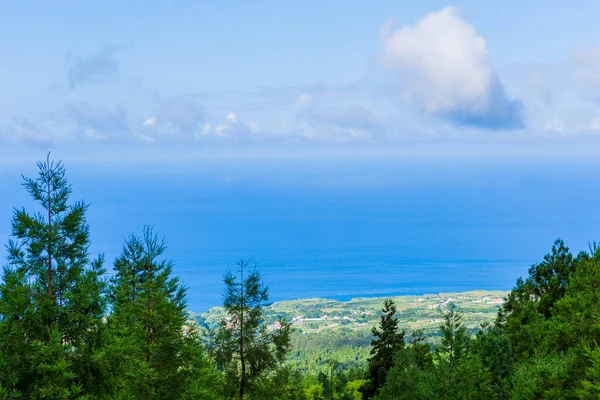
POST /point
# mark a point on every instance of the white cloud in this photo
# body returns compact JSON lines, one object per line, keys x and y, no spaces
{"x":231,"y":126}
{"x":336,"y":124}
{"x":97,"y":122}
{"x":444,"y":66}
{"x":231,"y":117}
{"x":253,"y":127}
{"x":305,"y":100}
{"x":555,"y":125}
{"x":151,"y":121}
{"x":174,"y":118}
{"x":595,"y":124}
{"x":222,"y":129}
{"x":23,"y":130}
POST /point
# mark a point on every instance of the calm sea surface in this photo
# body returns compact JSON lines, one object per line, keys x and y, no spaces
{"x":337,"y":229}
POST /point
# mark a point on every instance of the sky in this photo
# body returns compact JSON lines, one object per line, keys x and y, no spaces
{"x":113,"y":81}
{"x":270,"y":129}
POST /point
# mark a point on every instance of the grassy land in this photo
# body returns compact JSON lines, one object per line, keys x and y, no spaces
{"x":329,"y":329}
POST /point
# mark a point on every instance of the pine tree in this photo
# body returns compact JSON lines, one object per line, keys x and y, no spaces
{"x":388,"y":340}
{"x":245,"y":348}
{"x":52,"y":298}
{"x":494,"y":349}
{"x":457,"y":371}
{"x":154,"y":351}
{"x":451,"y":352}
{"x":405,"y":381}
{"x":421,"y":349}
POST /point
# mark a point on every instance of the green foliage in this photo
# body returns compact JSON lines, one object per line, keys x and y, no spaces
{"x":52,"y":297}
{"x":388,"y":340}
{"x":245,"y":348}
{"x":285,"y":382}
{"x":406,"y":380}
{"x":531,"y":302}
{"x":311,"y":352}
{"x":456,"y":371}
{"x":153,"y":349}
{"x":590,"y":386}
{"x":543,"y":377}
{"x":494,"y":349}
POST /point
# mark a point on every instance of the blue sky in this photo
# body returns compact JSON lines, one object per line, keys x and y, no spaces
{"x":470,"y":128}
{"x":120,"y":80}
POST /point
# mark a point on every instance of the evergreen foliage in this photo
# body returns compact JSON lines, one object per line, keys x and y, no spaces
{"x":153,"y":349}
{"x":388,"y":340}
{"x":246,"y":349}
{"x":52,"y":295}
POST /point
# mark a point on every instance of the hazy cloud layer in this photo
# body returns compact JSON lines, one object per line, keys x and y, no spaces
{"x":587,"y":72}
{"x":336,"y":124}
{"x":94,"y":68}
{"x":97,"y":122}
{"x":233,"y":127}
{"x":444,"y":66}
{"x":441,"y":64}
{"x":23,"y":130}
{"x":175,"y":117}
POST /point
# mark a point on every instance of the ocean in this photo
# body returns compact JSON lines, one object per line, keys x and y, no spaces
{"x":339,"y":228}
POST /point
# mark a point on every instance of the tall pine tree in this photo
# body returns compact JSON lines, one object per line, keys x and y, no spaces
{"x":52,"y":298}
{"x":245,"y":348}
{"x":388,"y":340}
{"x":153,"y":348}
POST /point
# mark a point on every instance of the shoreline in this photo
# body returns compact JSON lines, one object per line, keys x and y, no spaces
{"x":375,"y":299}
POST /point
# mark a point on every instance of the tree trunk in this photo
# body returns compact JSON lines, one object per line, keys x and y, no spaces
{"x":242,"y":358}
{"x":48,"y":248}
{"x":148,"y":329}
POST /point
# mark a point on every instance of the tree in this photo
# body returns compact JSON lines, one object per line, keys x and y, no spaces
{"x":52,"y":298}
{"x":494,"y":349}
{"x":153,"y":349}
{"x":452,"y":370}
{"x":406,"y":381}
{"x":285,"y":383}
{"x":246,"y":349}
{"x":590,"y":387}
{"x":531,"y":303}
{"x":550,"y":278}
{"x":421,"y":350}
{"x":388,"y":340}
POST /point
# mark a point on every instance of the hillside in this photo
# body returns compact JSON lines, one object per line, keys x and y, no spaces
{"x":329,"y":329}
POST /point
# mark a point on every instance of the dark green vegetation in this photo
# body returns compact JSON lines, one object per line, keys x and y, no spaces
{"x":244,"y":349}
{"x":68,"y":330}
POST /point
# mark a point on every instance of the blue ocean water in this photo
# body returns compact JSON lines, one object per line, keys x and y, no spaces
{"x":337,"y":229}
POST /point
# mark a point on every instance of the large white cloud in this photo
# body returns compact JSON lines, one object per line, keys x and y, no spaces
{"x":445,"y":67}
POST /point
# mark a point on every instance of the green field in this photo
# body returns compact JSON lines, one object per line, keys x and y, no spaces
{"x":341,"y":330}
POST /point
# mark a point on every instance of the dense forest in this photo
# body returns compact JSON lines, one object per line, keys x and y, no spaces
{"x":69,"y":329}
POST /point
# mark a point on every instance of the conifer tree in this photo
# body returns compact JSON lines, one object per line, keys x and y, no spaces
{"x":388,"y":340}
{"x":245,"y":348}
{"x":154,"y":350}
{"x":451,"y":352}
{"x":52,"y":297}
{"x":494,"y":349}
{"x":406,"y":381}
